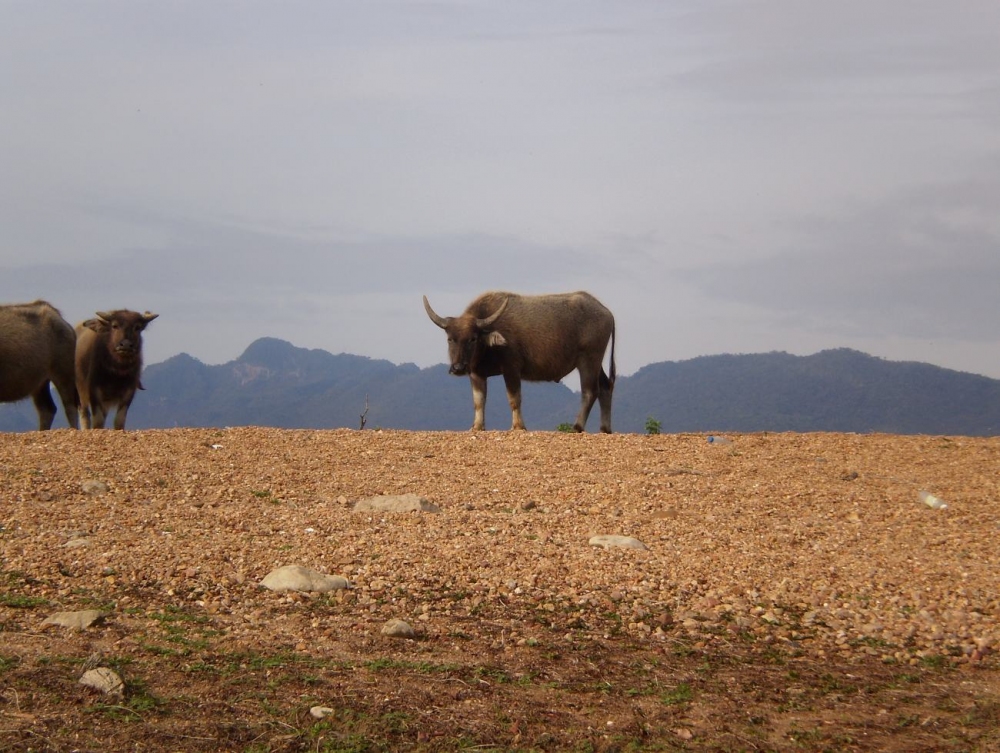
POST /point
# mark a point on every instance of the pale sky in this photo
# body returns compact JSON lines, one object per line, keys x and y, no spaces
{"x":726,"y":176}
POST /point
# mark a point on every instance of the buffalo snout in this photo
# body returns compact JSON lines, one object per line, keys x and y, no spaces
{"x":127,"y":349}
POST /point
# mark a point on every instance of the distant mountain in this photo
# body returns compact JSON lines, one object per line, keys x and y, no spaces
{"x":839,"y":390}
{"x":277,"y":384}
{"x":274,"y":383}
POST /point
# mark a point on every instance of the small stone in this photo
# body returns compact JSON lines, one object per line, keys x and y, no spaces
{"x":78,"y":620}
{"x":105,"y":680}
{"x":94,"y":488}
{"x":625,"y":542}
{"x":395,"y":503}
{"x":319,"y":712}
{"x":396,"y":628}
{"x":76,"y":543}
{"x":298,"y":578}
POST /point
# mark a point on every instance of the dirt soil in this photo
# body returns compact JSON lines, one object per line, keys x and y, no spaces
{"x":795,"y":592}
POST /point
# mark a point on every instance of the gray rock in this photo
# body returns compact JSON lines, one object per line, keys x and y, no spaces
{"x":298,"y":578}
{"x":395,"y":503}
{"x":78,"y":620}
{"x":76,"y":543}
{"x":105,"y":680}
{"x":625,"y":542}
{"x":396,"y":628}
{"x":94,"y":487}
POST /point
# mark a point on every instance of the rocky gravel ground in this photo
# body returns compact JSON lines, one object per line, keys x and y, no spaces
{"x":809,"y":548}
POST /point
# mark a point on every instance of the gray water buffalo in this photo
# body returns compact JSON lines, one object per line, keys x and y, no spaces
{"x":109,"y":364}
{"x":538,"y":338}
{"x":36,"y":348}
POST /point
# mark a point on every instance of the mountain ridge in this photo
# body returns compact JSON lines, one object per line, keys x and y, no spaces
{"x":275,"y":383}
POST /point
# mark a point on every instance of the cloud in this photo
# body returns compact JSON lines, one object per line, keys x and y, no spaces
{"x":217,"y":285}
{"x":923,"y":264}
{"x":857,"y":57}
{"x":230,"y":254}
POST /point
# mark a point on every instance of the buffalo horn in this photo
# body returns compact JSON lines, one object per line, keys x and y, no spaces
{"x":484,"y":323}
{"x":440,"y":321}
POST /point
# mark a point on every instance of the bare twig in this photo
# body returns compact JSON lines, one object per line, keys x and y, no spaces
{"x":364,"y":416}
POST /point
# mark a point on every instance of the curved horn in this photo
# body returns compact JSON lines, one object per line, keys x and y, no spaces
{"x":104,"y":316}
{"x":440,"y":321}
{"x":148,"y":317}
{"x":484,"y":323}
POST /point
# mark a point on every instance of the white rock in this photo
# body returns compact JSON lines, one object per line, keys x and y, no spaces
{"x":79,"y":620}
{"x":395,"y":503}
{"x":396,"y":628}
{"x":105,"y":680}
{"x":76,"y":543}
{"x":626,"y":542}
{"x":320,"y":712}
{"x":298,"y":578}
{"x":932,"y":501}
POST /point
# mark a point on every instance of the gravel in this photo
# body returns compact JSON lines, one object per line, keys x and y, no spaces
{"x":817,"y":543}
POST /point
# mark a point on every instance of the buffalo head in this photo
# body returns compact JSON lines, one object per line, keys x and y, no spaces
{"x":467,"y":335}
{"x":123,"y":332}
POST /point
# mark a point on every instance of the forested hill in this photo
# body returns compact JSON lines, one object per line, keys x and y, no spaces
{"x":274,"y":383}
{"x":835,"y":390}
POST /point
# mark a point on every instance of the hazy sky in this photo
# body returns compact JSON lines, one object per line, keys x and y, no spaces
{"x":727,"y":176}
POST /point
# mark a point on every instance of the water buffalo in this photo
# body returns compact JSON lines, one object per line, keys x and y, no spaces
{"x":36,"y":348}
{"x":108,"y":364}
{"x":540,"y":338}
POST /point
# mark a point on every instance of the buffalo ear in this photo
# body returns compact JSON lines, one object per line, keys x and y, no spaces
{"x":495,"y":340}
{"x":98,"y":325}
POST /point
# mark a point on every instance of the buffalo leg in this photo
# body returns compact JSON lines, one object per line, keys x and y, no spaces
{"x":45,"y":406}
{"x":478,"y":401}
{"x":513,"y":384}
{"x":604,"y":390}
{"x":589,"y":391}
{"x":67,"y":395}
{"x":97,"y":415}
{"x":85,"y":422}
{"x":121,"y":413}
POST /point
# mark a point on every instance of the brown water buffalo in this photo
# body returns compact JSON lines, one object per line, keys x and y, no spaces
{"x":539,"y":338}
{"x":109,"y":364}
{"x":36,"y":348}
